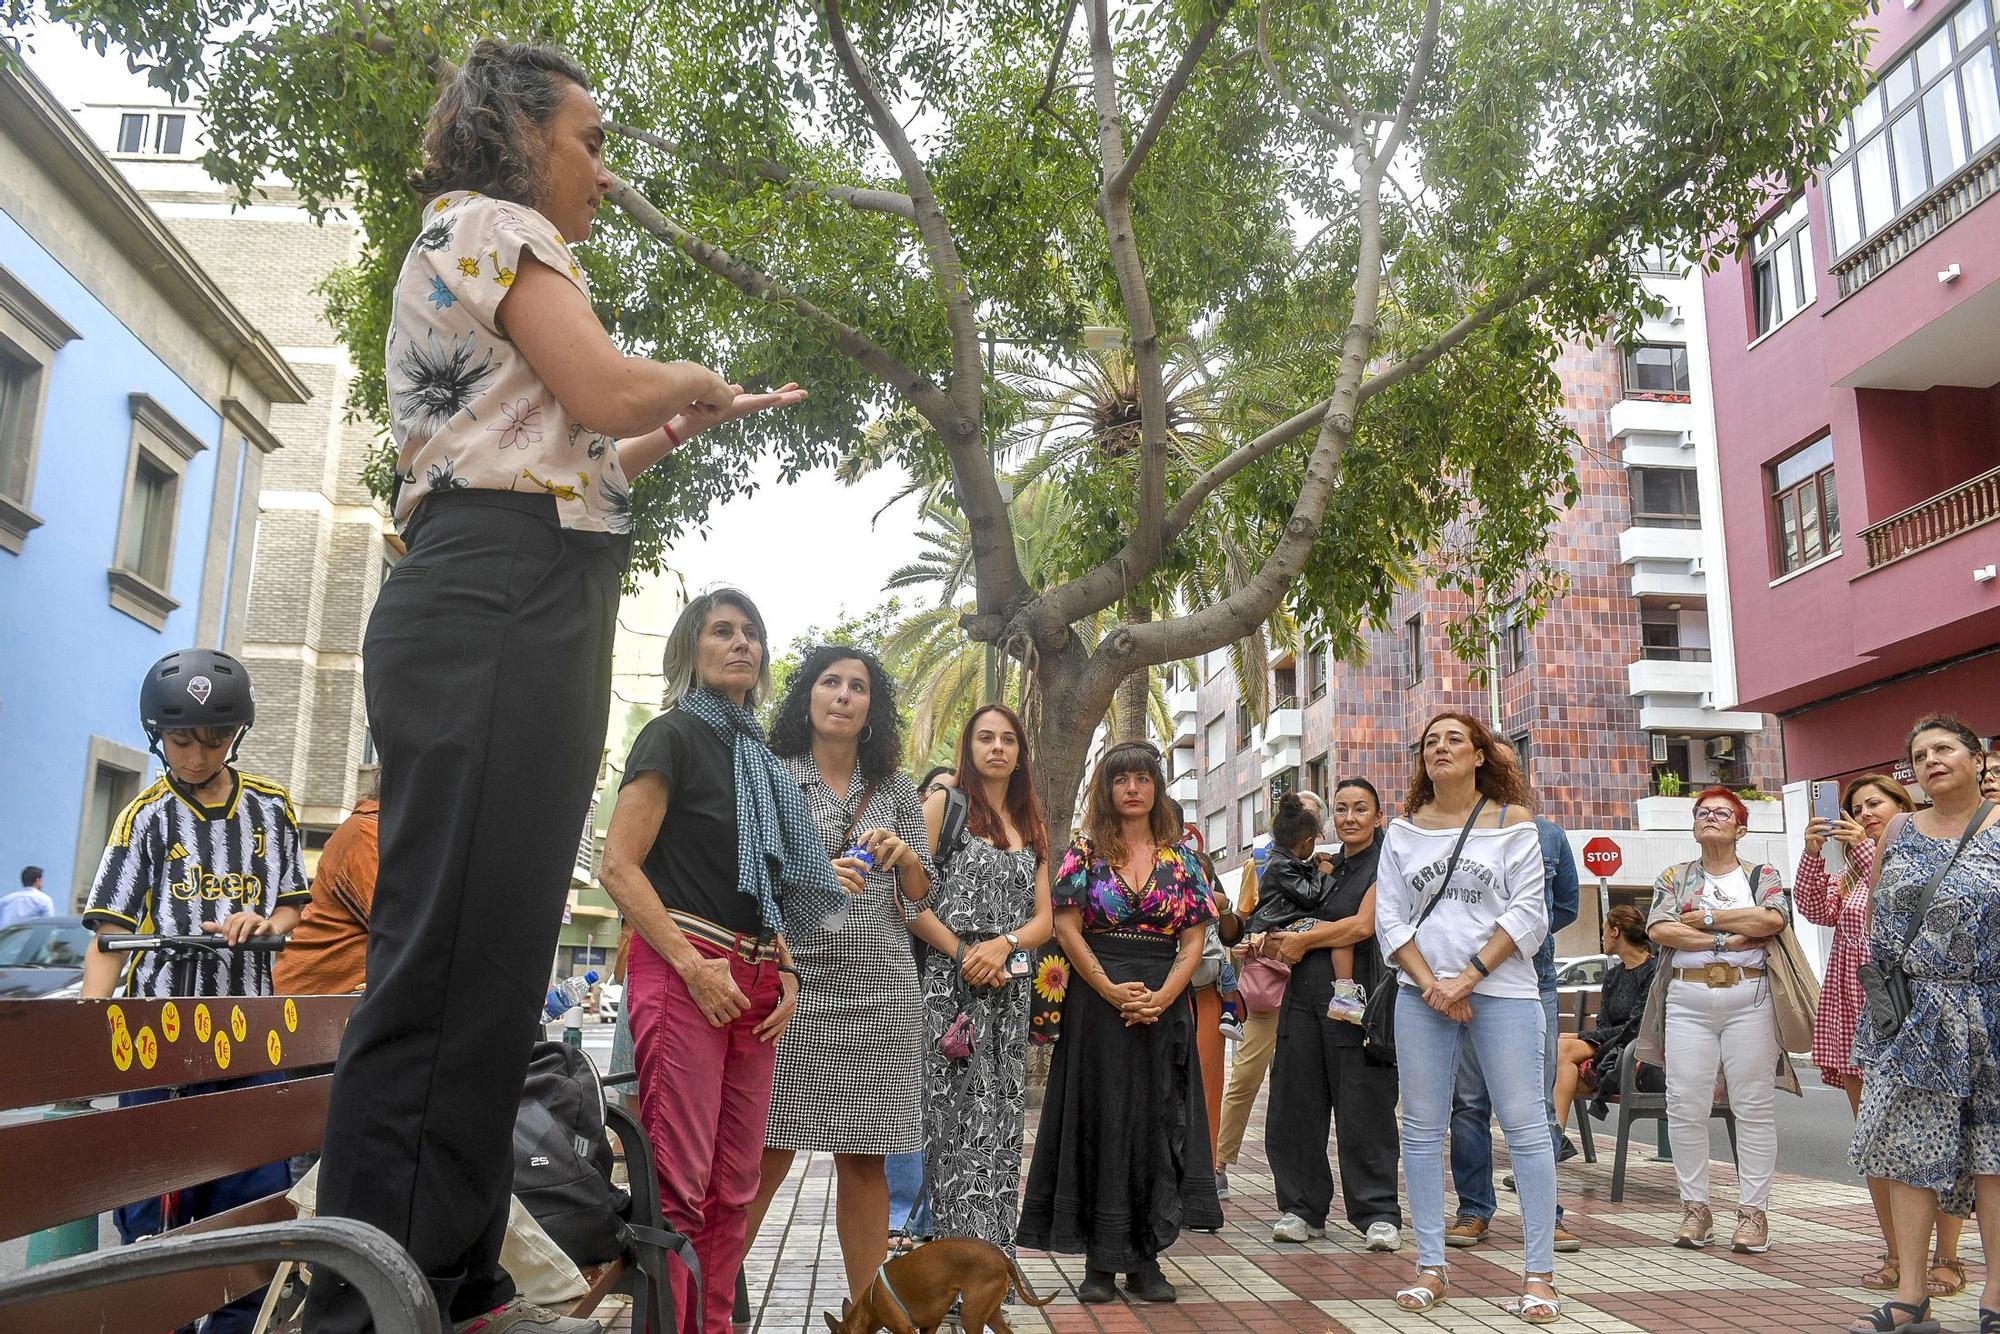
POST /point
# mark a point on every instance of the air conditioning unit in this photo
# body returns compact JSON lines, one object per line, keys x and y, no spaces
{"x":1659,"y":748}
{"x":1673,"y":314}
{"x":1720,"y":747}
{"x":1685,"y":439}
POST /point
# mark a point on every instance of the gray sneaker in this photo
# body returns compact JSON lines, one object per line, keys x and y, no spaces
{"x":1290,"y":1227}
{"x":524,"y":1317}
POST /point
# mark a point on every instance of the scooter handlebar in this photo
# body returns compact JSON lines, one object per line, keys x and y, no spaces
{"x":268,"y":944}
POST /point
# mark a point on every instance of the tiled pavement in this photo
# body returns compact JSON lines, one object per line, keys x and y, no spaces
{"x":1627,"y":1279}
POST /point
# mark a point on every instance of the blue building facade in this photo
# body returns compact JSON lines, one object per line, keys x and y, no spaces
{"x":133,"y":403}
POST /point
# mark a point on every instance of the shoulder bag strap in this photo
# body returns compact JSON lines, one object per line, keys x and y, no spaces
{"x":1923,"y":904}
{"x":1452,"y":865}
{"x":854,"y":820}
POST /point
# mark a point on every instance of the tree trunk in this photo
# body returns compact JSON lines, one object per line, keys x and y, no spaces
{"x":1128,"y":708}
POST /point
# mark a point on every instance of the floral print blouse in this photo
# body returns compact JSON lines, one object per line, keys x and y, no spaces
{"x":1174,"y":897}
{"x":465,"y":408}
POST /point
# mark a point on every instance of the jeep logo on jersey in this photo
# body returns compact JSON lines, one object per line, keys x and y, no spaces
{"x":200,"y":687}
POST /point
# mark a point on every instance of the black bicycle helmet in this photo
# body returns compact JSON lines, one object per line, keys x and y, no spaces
{"x":196,"y":687}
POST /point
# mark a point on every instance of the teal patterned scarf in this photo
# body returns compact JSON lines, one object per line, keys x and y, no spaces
{"x":780,"y":860}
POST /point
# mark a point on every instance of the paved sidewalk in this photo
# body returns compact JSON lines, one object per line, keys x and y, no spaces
{"x":1627,"y":1279}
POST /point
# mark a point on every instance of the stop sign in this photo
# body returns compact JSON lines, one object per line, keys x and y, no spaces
{"x":1602,"y":858}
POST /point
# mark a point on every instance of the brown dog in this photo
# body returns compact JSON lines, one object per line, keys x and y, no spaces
{"x":912,"y":1293}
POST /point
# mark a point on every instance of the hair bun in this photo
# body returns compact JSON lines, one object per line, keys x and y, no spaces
{"x":1289,"y":804}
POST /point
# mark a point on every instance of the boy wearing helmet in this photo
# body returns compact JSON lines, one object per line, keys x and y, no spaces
{"x":206,"y":849}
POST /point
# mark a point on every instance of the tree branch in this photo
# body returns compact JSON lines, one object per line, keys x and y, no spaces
{"x":777,"y":173}
{"x":1055,"y":60}
{"x":1342,"y":129}
{"x":1115,"y":206}
{"x":1420,"y":74}
{"x":922,"y":394}
{"x":1002,"y":584}
{"x":1458,"y":333}
{"x":1163,"y":107}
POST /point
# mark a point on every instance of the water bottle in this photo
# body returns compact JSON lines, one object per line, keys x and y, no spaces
{"x":567,"y":994}
{"x":862,"y":855}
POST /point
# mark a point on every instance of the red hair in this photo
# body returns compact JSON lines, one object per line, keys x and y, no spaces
{"x":1724,"y":794}
{"x":1024,"y":808}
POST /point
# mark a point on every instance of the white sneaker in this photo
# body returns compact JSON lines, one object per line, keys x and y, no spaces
{"x":1290,"y":1227}
{"x":1384,"y":1237}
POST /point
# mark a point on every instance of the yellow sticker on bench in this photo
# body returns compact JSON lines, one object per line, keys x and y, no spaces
{"x":291,"y":1015}
{"x":170,"y":1022}
{"x":222,"y":1050}
{"x":149,"y":1048}
{"x":238,"y":1029}
{"x":201,"y":1028}
{"x":117,"y":1016}
{"x":273,"y":1046}
{"x":121,"y":1048}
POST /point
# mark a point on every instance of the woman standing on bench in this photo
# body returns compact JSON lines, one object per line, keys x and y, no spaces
{"x":1712,"y":1008}
{"x":518,"y":426}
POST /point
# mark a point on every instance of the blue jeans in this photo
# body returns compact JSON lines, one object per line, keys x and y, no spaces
{"x":1472,"y":1122}
{"x":908,"y":1211}
{"x":1427,"y":1053}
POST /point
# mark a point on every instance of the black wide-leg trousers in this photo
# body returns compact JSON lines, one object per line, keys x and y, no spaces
{"x":1321,"y":1076}
{"x":487,"y":670}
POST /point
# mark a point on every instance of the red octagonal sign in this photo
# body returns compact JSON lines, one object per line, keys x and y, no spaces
{"x":1602,"y":858}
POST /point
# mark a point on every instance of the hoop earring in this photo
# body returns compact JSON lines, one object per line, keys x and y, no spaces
{"x":867,"y":733}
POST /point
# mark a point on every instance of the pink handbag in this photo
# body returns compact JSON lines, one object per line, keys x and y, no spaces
{"x":1262,"y":982}
{"x":955,"y":1044}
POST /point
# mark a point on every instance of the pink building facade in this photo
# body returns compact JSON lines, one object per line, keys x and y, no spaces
{"x":1855,"y":359}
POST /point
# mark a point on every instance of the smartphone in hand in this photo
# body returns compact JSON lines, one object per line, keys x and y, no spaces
{"x":1826,"y":800}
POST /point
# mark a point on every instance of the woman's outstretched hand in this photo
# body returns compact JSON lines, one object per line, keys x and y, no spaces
{"x":705,"y":415}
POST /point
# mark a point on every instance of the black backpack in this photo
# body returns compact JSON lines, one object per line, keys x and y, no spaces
{"x":951,"y":830}
{"x":563,"y":1160}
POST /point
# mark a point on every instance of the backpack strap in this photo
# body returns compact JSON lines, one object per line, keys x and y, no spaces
{"x":951,"y":830}
{"x":652,"y":1245}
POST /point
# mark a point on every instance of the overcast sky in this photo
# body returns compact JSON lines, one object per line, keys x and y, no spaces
{"x":805,"y":552}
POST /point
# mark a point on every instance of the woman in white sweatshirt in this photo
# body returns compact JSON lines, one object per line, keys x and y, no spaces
{"x":1466,"y":841}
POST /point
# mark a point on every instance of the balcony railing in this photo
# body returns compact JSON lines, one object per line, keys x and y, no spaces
{"x":1673,"y":653}
{"x":1936,"y":520}
{"x":1979,"y":181}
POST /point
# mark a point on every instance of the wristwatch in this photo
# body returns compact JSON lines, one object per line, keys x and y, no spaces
{"x":1708,"y":918}
{"x":1013,"y":941}
{"x":1722,"y":942}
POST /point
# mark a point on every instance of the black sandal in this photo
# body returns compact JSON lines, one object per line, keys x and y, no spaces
{"x":1989,"y":1320}
{"x":1883,"y":1318}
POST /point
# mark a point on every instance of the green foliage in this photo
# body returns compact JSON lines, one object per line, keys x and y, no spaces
{"x":1545,"y":144}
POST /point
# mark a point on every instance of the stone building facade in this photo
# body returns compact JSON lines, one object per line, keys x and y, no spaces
{"x":322,"y":542}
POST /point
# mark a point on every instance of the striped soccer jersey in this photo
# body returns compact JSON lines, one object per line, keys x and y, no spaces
{"x":172,"y":864}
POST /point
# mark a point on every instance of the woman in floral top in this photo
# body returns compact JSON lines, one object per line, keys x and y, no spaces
{"x":1122,"y":1161}
{"x":488,"y":659}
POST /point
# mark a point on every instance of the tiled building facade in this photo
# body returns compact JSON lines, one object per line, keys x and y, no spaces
{"x":1579,"y":694}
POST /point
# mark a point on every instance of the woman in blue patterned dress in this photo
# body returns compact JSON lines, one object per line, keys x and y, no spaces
{"x":1121,"y":1153}
{"x":988,"y":904}
{"x":1929,"y":1123}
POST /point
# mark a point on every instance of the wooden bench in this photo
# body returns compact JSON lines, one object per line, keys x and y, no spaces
{"x":67,"y":1167}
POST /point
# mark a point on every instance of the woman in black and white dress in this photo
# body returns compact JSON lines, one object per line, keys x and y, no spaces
{"x":851,"y":1062}
{"x":990,"y":903}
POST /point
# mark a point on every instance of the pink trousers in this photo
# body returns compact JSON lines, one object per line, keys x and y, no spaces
{"x":704,"y":1093}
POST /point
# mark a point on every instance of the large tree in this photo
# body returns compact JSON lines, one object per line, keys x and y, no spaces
{"x":1410,"y":203}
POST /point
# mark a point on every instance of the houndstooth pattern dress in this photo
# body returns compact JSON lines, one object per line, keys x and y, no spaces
{"x":975,"y":1108}
{"x":850,"y":1065}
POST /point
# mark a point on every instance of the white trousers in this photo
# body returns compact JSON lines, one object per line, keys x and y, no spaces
{"x":1731,"y":1031}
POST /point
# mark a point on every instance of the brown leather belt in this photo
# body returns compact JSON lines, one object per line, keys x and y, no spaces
{"x":1717,"y":974}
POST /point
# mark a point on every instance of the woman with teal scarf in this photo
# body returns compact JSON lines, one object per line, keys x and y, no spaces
{"x":712,"y":856}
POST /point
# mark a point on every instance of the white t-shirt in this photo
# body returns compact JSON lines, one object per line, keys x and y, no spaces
{"x":1497,"y":884}
{"x":1723,"y":892}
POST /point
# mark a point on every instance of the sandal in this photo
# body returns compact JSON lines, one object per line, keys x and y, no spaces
{"x":1885,"y":1276}
{"x":1950,"y":1287}
{"x":1989,"y":1320}
{"x":1535,"y":1309}
{"x":1420,"y":1296}
{"x":1883,"y":1318}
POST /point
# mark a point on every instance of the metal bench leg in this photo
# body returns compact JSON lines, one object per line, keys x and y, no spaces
{"x":1618,"y":1161}
{"x":1582,"y":1111}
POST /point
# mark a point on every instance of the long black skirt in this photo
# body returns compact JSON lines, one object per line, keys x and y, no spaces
{"x":1121,"y":1161}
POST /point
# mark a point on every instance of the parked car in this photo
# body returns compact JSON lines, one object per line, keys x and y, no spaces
{"x":43,"y":958}
{"x":610,"y":995}
{"x":1580,"y":973}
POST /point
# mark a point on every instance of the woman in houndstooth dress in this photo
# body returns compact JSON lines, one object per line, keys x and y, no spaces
{"x":850,"y":1064}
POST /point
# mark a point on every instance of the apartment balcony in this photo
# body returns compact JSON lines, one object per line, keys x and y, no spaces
{"x":1641,"y":543}
{"x":1675,"y":689}
{"x":1676,"y":815}
{"x":1183,"y":710}
{"x":1185,"y":790}
{"x":1679,"y":580}
{"x":1655,"y":421}
{"x":1939,"y":519}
